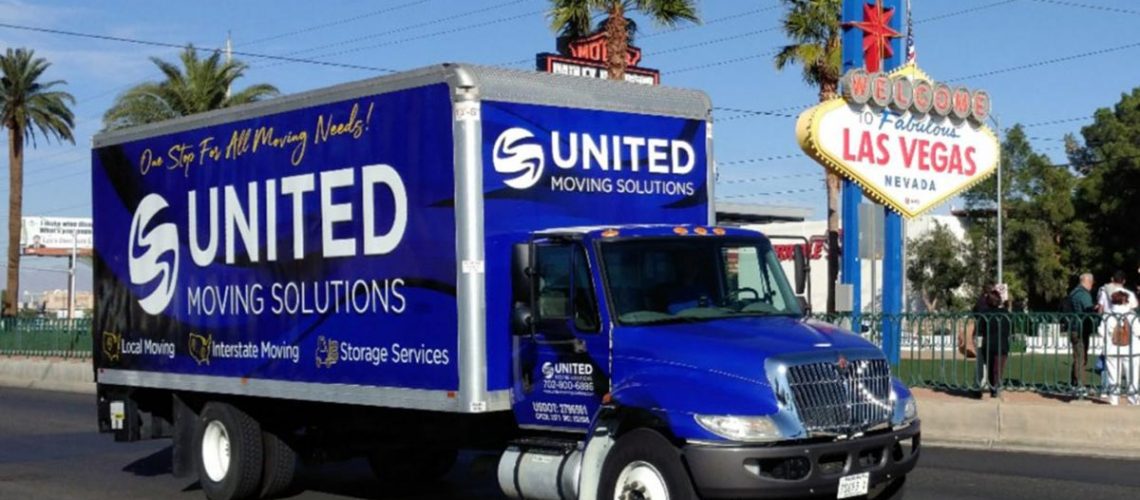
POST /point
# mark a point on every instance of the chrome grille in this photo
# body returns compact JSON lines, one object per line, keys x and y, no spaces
{"x":835,"y":400}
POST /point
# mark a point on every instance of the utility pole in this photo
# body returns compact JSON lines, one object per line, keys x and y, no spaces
{"x":997,"y":132}
{"x":71,"y":274}
{"x":229,"y":58}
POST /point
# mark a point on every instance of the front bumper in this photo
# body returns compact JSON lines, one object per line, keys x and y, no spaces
{"x":804,"y":470}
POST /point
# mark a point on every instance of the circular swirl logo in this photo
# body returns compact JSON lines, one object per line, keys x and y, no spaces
{"x":517,"y":154}
{"x":146,"y":252}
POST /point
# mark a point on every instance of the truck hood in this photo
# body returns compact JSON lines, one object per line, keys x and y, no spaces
{"x":717,"y":366}
{"x":737,"y":346}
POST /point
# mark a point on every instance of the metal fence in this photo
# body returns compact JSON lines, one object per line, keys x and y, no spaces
{"x":942,"y":350}
{"x":45,"y":337}
{"x":1043,"y":352}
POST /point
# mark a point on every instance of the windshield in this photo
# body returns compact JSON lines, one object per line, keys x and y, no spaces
{"x":694,"y":279}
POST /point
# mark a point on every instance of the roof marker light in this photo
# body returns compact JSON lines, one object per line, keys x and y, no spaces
{"x":680,"y":230}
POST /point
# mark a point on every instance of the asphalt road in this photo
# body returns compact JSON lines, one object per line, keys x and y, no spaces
{"x":49,"y":449}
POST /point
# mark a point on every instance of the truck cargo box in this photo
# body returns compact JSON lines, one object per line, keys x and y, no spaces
{"x":352,"y":244}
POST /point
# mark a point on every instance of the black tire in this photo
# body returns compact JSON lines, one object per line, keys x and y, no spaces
{"x":410,"y":465}
{"x":242,"y":477}
{"x":280,"y":468}
{"x":649,"y":446}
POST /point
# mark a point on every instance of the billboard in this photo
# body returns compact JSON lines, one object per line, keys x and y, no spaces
{"x":55,"y":236}
{"x":586,"y":57}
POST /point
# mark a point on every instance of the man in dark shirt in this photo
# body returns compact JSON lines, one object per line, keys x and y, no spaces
{"x":1081,"y":303}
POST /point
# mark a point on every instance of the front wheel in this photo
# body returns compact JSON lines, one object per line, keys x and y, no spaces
{"x":643,"y":465}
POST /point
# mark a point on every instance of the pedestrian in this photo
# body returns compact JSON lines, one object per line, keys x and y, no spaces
{"x":994,"y":328}
{"x":1083,"y":324}
{"x":1121,"y":349}
{"x":1103,"y":297}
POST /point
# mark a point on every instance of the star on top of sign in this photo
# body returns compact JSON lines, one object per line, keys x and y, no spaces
{"x":877,"y":34}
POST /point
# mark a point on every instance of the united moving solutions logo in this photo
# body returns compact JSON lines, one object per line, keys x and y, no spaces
{"x":578,"y":161}
{"x":513,"y":154}
{"x":155,"y":275}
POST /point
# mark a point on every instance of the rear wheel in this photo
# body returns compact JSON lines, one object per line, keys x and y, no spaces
{"x":643,"y":465}
{"x":229,"y":453}
{"x":280,"y":466}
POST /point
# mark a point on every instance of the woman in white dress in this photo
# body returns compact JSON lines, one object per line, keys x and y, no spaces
{"x":1120,"y":335}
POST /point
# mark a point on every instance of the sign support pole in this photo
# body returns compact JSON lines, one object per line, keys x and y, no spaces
{"x":893,"y":264}
{"x":852,"y":194}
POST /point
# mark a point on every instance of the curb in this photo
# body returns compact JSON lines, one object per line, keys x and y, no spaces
{"x":50,"y":374}
{"x":1054,"y":429}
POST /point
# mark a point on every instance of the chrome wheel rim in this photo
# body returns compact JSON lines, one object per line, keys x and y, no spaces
{"x":216,"y":451}
{"x":641,"y":481}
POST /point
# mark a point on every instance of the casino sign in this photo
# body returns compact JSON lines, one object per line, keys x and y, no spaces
{"x":911,"y":143}
{"x":586,"y":57}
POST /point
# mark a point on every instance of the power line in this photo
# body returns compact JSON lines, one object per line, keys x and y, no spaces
{"x":759,"y":160}
{"x":771,"y":193}
{"x":1102,"y":8}
{"x":1046,"y":62}
{"x":152,"y":43}
{"x":731,"y":17}
{"x":721,"y":63}
{"x":753,"y":112}
{"x":714,"y":41}
{"x":684,"y":27}
{"x":434,"y":34}
{"x":749,"y":113}
{"x":730,"y":182}
{"x":409,"y":27}
{"x":971,"y":10}
{"x":1056,"y":122}
{"x":335,"y":23}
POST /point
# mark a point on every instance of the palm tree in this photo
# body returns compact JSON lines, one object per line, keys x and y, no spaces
{"x":814,"y":30}
{"x":28,"y":104}
{"x":574,"y":18}
{"x":199,"y":85}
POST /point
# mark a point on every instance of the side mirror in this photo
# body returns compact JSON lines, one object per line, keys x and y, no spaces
{"x":802,"y":269}
{"x":522,"y":320}
{"x":522,"y":289}
{"x":522,"y":282}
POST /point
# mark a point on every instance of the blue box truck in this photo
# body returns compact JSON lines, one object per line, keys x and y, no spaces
{"x":459,"y":258}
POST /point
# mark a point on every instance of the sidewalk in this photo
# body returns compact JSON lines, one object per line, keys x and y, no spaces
{"x":1029,"y":422}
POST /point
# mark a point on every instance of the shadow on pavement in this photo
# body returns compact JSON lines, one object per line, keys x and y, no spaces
{"x":156,"y":464}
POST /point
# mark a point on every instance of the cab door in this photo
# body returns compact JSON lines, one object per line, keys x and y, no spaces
{"x":562,"y":362}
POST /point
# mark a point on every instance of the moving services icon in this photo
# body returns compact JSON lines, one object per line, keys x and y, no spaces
{"x":112,"y":346}
{"x":328,"y":352}
{"x":200,"y":347}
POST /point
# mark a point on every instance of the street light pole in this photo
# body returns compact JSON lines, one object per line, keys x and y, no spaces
{"x":997,"y":132}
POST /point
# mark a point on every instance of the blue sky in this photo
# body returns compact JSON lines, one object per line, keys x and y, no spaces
{"x":729,"y":57}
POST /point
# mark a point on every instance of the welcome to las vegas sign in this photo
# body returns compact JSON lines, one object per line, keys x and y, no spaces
{"x":909,"y":142}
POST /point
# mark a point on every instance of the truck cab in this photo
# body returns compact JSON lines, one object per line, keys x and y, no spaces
{"x":684,"y":355}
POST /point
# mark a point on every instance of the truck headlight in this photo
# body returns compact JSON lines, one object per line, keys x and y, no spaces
{"x":746,"y":429}
{"x":910,"y":411}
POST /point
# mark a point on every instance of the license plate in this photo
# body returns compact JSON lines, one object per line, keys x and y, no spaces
{"x":854,"y":485}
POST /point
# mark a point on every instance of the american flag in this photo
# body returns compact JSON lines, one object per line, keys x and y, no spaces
{"x":910,"y":53}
